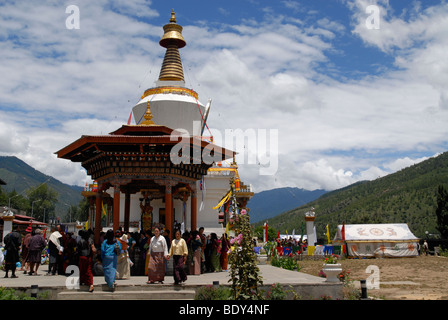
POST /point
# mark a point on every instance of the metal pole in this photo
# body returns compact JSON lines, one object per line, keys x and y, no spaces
{"x":34,"y":290}
{"x":364,"y":290}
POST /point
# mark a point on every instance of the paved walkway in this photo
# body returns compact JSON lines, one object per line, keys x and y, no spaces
{"x":269,"y":273}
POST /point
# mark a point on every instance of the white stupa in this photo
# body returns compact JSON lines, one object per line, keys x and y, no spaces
{"x":172,"y":104}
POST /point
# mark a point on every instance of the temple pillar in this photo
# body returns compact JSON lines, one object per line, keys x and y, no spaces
{"x":169,"y":213}
{"x":98,"y":207}
{"x":116,"y":207}
{"x":169,"y":223}
{"x":194,"y":210}
{"x":127,"y":210}
{"x":91,"y":212}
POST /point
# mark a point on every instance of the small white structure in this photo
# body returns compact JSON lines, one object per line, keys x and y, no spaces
{"x":377,"y":240}
{"x":310,"y":216}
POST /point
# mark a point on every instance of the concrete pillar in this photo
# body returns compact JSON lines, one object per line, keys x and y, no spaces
{"x":310,"y":216}
{"x":7,"y":225}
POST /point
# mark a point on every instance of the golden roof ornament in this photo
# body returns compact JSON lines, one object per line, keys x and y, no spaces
{"x":172,"y":40}
{"x":148,"y":117}
{"x":173,"y":33}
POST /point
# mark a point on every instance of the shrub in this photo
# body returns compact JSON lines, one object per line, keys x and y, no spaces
{"x":276,"y":292}
{"x":287,"y":263}
{"x":212,"y":293}
{"x":11,"y":294}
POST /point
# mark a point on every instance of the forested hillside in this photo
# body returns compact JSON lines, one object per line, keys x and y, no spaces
{"x":407,"y":196}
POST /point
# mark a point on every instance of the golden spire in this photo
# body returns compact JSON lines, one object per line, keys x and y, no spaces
{"x":148,"y":117}
{"x":172,"y":40}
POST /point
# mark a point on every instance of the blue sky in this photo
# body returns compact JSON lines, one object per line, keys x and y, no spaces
{"x":349,"y":103}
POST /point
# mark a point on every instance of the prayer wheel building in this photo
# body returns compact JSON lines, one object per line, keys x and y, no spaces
{"x":156,"y":172}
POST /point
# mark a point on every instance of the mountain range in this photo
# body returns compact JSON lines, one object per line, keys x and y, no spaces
{"x":407,"y":196}
{"x":20,"y":176}
{"x":269,"y":203}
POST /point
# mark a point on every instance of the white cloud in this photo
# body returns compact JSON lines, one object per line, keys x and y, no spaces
{"x":10,"y":140}
{"x":403,"y":163}
{"x":261,"y":74}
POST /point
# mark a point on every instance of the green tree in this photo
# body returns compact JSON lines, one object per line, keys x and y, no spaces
{"x":42,"y":201}
{"x":272,"y":233}
{"x":3,"y":198}
{"x":81,"y":211}
{"x":16,"y":201}
{"x":442,"y":211}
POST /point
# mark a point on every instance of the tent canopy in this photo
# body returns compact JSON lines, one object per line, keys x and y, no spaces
{"x":378,"y":240}
{"x":375,"y":232}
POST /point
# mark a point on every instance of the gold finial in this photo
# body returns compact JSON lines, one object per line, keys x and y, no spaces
{"x":148,"y":117}
{"x":172,"y":40}
{"x":173,"y":33}
{"x":173,"y":18}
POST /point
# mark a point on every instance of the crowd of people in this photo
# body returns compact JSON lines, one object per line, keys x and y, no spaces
{"x":118,"y":255}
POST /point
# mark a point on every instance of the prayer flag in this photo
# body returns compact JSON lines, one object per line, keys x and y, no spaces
{"x":223,"y":200}
{"x":343,"y":231}
{"x":328,"y":234}
{"x":104,"y":211}
{"x":130,"y":118}
{"x":266,"y":238}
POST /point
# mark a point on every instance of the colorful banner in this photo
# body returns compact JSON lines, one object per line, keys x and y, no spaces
{"x":223,"y":200}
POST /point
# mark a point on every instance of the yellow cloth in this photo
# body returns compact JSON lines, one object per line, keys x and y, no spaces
{"x":223,"y":200}
{"x":311,"y":250}
{"x":328,"y":235}
{"x":104,"y":210}
{"x":178,"y":248}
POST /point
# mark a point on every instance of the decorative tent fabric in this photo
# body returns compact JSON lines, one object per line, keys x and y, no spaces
{"x":378,"y":240}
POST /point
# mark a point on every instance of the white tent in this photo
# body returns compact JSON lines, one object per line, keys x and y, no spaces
{"x":377,"y":240}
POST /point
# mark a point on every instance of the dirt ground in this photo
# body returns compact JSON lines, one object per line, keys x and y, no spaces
{"x":416,"y":278}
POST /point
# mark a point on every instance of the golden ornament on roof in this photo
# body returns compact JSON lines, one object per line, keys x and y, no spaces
{"x":148,"y":117}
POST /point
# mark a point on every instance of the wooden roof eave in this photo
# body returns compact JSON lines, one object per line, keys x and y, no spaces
{"x":86,"y":142}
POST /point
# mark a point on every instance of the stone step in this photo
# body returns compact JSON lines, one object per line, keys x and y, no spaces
{"x":127,"y":295}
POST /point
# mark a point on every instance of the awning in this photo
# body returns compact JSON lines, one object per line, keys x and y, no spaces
{"x":34,"y":222}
